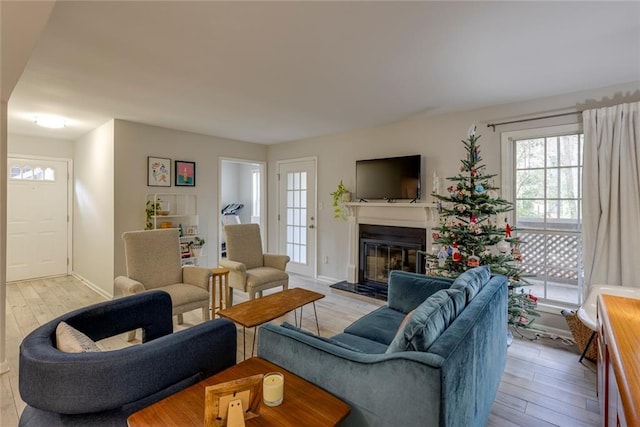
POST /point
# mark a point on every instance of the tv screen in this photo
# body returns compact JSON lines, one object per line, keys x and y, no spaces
{"x":390,"y":178}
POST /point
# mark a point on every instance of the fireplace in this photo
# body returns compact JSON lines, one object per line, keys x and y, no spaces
{"x":385,"y":248}
{"x":386,"y":236}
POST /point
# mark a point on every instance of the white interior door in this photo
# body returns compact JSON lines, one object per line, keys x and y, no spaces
{"x":37,"y":212}
{"x":297,"y":214}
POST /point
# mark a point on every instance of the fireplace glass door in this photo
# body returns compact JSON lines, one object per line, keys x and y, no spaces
{"x":380,"y":258}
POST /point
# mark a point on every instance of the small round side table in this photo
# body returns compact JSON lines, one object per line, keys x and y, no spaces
{"x":220,"y":275}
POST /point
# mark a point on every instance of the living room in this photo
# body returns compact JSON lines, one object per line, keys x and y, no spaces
{"x":109,"y":160}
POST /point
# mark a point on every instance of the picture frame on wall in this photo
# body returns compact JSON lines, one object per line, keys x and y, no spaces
{"x":185,"y":173}
{"x":158,"y":172}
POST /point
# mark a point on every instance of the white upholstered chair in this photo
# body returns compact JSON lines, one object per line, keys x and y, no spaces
{"x":587,"y":313}
{"x":251,"y":270}
{"x":154,"y":262}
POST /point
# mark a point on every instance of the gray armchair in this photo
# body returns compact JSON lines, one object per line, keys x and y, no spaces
{"x":153,"y":262}
{"x":251,"y":270}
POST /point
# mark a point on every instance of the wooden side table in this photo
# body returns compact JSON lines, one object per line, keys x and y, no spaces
{"x":304,"y":404}
{"x":220,"y":276}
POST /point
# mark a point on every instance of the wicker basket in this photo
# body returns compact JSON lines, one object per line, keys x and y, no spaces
{"x":581,"y":335}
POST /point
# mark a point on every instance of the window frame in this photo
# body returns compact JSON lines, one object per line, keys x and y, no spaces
{"x":508,"y":175}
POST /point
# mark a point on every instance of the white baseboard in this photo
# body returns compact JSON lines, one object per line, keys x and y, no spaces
{"x":329,"y":280}
{"x":92,"y":286}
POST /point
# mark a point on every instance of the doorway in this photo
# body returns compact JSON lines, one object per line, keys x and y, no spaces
{"x":297,"y":214}
{"x":241,"y":197}
{"x":38,"y":212}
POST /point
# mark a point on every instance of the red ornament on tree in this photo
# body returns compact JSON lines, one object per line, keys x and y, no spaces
{"x":456,"y":255}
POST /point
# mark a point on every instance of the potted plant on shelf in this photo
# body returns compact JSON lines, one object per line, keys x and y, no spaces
{"x":341,"y":196}
{"x":196,"y":246}
{"x":150,"y":211}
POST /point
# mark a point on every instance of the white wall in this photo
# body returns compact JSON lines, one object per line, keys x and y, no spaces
{"x":42,"y":147}
{"x":436,"y":138}
{"x":134,"y":142}
{"x":93,"y":208}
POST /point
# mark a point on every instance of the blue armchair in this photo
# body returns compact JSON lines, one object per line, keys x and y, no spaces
{"x":104,"y":388}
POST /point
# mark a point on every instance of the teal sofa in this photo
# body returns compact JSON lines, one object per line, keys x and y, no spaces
{"x":442,"y":367}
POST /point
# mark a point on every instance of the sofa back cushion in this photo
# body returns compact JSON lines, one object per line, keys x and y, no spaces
{"x":428,"y":321}
{"x":472,"y":281}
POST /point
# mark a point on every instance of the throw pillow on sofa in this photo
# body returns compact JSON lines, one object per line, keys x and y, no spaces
{"x":472,"y":281}
{"x":428,"y":321}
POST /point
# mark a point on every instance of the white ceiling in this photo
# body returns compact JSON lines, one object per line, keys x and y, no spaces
{"x":275,"y":71}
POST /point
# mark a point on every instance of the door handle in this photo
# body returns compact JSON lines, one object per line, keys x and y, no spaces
{"x":311,"y":226}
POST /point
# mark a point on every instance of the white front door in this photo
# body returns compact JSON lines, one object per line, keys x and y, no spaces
{"x":297,"y":215}
{"x":37,"y":211}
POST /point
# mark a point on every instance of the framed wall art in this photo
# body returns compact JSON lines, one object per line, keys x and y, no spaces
{"x":158,"y":172}
{"x":185,"y":174}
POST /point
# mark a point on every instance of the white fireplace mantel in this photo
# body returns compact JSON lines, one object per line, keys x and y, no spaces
{"x":417,"y":215}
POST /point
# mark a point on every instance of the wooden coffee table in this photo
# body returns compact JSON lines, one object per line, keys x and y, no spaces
{"x":250,"y":314}
{"x":304,"y":404}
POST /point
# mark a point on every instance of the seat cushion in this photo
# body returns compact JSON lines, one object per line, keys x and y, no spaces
{"x":183,"y":294}
{"x":261,"y":275}
{"x":428,"y":321}
{"x":472,"y":281}
{"x":380,"y":325}
{"x":360,"y":344}
{"x":332,"y":341}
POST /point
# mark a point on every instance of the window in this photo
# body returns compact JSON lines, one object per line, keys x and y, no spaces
{"x":255,"y":191}
{"x":542,"y":176}
{"x":297,"y":216}
{"x":26,"y":172}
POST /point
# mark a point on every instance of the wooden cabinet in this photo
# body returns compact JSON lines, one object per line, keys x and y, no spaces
{"x":172,"y":210}
{"x":619,"y":360}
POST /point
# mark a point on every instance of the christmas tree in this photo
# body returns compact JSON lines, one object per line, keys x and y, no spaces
{"x":473,"y":231}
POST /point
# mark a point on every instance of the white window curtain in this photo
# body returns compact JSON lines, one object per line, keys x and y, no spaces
{"x":611,"y":199}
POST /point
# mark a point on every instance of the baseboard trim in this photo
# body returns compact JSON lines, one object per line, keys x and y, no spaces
{"x":92,"y":286}
{"x":327,"y":279}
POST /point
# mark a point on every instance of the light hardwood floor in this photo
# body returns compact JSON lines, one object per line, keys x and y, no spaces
{"x":543,"y":384}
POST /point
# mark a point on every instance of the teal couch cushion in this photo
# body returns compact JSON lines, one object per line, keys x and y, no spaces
{"x":472,"y":281}
{"x":428,"y":321}
{"x":380,"y":325}
{"x":360,"y":344}
{"x":409,"y":290}
{"x":333,"y":341}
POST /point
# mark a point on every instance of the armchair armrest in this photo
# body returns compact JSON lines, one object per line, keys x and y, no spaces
{"x":121,"y":315}
{"x":128,"y":286}
{"x":276,"y":261}
{"x":233,"y":265}
{"x":197,"y":276}
{"x":237,"y":273}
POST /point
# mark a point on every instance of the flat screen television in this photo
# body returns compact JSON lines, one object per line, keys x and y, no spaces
{"x":389,"y":178}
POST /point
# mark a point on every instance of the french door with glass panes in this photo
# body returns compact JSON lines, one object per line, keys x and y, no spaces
{"x":297,"y":213}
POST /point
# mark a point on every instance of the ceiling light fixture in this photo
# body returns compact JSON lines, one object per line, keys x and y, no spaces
{"x":50,"y":122}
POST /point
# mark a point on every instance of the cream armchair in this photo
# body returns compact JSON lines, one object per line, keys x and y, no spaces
{"x":251,"y":270}
{"x":153,"y":262}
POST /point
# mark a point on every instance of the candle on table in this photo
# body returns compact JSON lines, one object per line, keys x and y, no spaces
{"x":273,"y":388}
